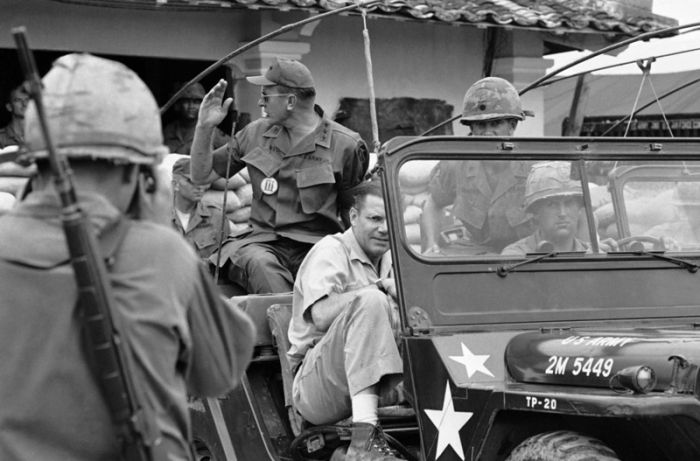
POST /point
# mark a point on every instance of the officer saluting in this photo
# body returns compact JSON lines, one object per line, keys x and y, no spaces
{"x":178,"y":336}
{"x":300,"y":163}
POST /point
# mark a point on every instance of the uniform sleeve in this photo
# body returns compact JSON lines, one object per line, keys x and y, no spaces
{"x":355,"y":166}
{"x":222,"y":341}
{"x":233,"y":149}
{"x":323,"y":273}
{"x":443,"y":186}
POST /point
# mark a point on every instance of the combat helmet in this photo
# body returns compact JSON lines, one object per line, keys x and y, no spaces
{"x":491,"y":98}
{"x":99,"y":109}
{"x":194,"y":91}
{"x":550,"y":179}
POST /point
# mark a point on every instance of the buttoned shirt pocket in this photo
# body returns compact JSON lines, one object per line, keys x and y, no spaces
{"x":205,"y":238}
{"x":316,"y":186}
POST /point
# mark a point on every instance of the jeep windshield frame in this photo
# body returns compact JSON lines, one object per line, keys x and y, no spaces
{"x":565,"y":289}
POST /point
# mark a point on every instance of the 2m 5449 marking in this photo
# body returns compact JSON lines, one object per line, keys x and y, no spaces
{"x":575,"y":366}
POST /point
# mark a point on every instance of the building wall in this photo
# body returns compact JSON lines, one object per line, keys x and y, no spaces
{"x":408,"y":59}
{"x":420,"y":60}
{"x":156,"y":33}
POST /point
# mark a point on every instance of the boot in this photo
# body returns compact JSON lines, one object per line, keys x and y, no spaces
{"x":369,"y":444}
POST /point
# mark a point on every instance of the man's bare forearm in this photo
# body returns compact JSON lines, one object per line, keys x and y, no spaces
{"x":325,"y":310}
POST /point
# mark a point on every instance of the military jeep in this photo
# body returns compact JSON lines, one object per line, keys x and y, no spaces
{"x":546,"y":355}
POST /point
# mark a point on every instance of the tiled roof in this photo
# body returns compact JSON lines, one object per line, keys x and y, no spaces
{"x":591,"y":16}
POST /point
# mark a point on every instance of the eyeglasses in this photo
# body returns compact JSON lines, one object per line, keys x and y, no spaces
{"x":265,"y":97}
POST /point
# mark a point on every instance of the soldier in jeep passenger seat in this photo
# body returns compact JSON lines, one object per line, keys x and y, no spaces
{"x":199,"y":222}
{"x":555,"y":202}
{"x":180,"y":337}
{"x":342,"y":328}
{"x":299,"y":162}
{"x":487,"y":197}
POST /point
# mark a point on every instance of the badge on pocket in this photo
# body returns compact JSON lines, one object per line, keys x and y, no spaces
{"x":269,"y":186}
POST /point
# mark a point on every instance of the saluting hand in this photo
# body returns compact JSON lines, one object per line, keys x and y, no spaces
{"x":212,"y":111}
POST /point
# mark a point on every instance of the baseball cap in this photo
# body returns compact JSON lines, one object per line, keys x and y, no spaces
{"x":182,"y":167}
{"x":287,"y":72}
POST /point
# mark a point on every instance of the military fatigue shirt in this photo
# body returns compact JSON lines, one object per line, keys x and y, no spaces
{"x":529,"y":245}
{"x":10,"y":137}
{"x":181,"y":338}
{"x":336,"y":264}
{"x":310,"y":177}
{"x":204,"y":228}
{"x":493,"y":215}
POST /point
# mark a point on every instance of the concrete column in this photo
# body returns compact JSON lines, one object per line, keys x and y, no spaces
{"x":519,"y":59}
{"x":521,"y":71}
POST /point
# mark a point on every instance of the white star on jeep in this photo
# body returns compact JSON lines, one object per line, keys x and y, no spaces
{"x":448,"y":422}
{"x":471,"y":362}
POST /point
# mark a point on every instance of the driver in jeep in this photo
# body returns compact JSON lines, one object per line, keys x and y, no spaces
{"x":343,"y":320}
{"x":555,"y":201}
{"x":486,"y":197}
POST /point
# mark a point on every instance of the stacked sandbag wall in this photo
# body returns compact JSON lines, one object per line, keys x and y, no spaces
{"x":239,"y":193}
{"x":414,"y":178}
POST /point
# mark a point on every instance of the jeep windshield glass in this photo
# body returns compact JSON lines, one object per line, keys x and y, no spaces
{"x":508,"y":209}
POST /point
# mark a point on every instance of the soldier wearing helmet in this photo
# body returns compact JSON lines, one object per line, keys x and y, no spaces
{"x":199,"y":222}
{"x":178,"y":133}
{"x":486,"y":196}
{"x":179,"y":337}
{"x":492,"y":107}
{"x":300,"y":164}
{"x":554,"y":200}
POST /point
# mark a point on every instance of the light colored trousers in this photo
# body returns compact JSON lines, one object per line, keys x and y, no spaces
{"x":357,"y":351}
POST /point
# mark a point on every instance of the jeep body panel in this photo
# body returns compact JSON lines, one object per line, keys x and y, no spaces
{"x":494,"y":358}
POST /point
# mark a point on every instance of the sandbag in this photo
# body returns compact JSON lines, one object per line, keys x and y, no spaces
{"x":417,"y":189}
{"x":416,"y":174}
{"x":13,"y":184}
{"x":15,"y":169}
{"x":241,"y":215}
{"x":245,"y":194}
{"x":7,"y":201}
{"x":237,"y":227}
{"x":413,"y":233}
{"x":217,"y":198}
{"x":411,"y":214}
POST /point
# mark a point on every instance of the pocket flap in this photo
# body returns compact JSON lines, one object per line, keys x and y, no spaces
{"x":322,"y":174}
{"x":263,"y":160}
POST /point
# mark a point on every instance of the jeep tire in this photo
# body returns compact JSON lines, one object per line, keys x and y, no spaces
{"x":562,"y":446}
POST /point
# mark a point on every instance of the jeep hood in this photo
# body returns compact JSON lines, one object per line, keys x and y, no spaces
{"x":592,"y":358}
